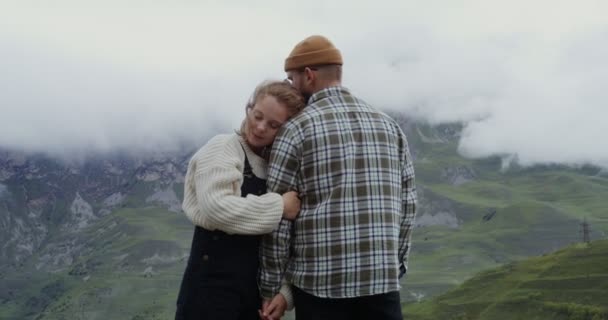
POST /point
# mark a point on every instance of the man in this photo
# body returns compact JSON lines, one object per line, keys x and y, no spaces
{"x":350,"y":163}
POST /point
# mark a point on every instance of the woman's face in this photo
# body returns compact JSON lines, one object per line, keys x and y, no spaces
{"x":264,"y":121}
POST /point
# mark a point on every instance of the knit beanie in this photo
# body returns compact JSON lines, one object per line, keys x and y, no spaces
{"x":313,"y":51}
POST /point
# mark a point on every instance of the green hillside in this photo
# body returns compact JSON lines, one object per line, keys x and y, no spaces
{"x":568,"y":284}
{"x":499,"y":215}
{"x":132,"y":270}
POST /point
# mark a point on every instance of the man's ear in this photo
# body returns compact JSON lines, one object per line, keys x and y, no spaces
{"x":310,"y":75}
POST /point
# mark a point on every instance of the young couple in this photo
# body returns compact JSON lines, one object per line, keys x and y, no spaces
{"x":310,"y":204}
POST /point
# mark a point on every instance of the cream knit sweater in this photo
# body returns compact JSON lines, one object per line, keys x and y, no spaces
{"x":212,"y":192}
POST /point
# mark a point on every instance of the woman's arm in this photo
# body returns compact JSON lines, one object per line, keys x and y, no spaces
{"x":215,"y":176}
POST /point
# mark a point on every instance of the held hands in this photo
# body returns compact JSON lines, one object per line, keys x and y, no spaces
{"x":291,"y":205}
{"x":273,"y":309}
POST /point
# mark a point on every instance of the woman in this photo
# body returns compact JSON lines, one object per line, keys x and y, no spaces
{"x":225,"y":197}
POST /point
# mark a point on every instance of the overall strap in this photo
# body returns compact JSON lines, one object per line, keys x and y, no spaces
{"x":247,"y":171}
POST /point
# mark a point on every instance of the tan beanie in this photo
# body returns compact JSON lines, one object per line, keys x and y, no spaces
{"x":313,"y":51}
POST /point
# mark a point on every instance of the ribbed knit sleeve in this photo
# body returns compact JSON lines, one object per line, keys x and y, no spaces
{"x":212,"y":195}
{"x":287,"y":294}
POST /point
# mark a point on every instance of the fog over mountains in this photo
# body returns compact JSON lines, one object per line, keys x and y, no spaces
{"x":527,"y":80}
{"x":103,"y":102}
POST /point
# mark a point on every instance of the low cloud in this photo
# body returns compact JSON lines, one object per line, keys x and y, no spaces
{"x":527,"y":79}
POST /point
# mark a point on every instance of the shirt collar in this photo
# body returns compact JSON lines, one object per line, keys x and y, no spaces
{"x":328,"y":92}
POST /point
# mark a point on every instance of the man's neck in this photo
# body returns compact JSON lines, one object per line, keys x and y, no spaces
{"x":328,"y":84}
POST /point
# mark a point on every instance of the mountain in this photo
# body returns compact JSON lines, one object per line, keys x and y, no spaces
{"x":104,"y":237}
{"x":41,"y":197}
{"x":568,"y":284}
{"x":81,"y":239}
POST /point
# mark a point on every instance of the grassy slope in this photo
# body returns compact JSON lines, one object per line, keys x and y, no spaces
{"x":535,"y":214}
{"x":111,"y":282}
{"x":568,"y":284}
{"x":538,"y":210}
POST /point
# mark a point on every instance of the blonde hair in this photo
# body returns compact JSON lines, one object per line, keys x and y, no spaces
{"x":285,"y":94}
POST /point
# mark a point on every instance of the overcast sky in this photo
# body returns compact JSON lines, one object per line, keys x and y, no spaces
{"x":530,"y":78}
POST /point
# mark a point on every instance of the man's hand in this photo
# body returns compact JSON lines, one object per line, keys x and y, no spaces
{"x":273,"y":309}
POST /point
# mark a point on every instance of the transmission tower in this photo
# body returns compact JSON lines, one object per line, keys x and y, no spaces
{"x":586,"y":231}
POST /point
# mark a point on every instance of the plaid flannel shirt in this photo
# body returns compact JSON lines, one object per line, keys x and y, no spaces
{"x":353,"y":169}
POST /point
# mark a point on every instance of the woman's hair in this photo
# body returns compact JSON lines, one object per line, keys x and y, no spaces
{"x":285,"y":94}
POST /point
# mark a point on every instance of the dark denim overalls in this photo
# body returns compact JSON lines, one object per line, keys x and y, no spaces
{"x":220,"y":281}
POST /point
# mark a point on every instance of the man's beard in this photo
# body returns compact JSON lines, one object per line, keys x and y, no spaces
{"x":306,"y":96}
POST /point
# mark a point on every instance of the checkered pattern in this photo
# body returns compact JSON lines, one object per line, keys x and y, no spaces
{"x":352,"y":166}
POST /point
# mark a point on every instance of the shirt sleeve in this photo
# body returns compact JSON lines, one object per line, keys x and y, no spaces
{"x":409,"y":200}
{"x":274,"y":256}
{"x":284,"y":163}
{"x":283,"y":172}
{"x":217,"y":175}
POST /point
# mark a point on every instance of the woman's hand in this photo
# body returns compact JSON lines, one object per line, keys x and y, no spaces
{"x":273,"y":309}
{"x":291,"y":205}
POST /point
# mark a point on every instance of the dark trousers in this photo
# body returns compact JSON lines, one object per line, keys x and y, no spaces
{"x":385,"y":306}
